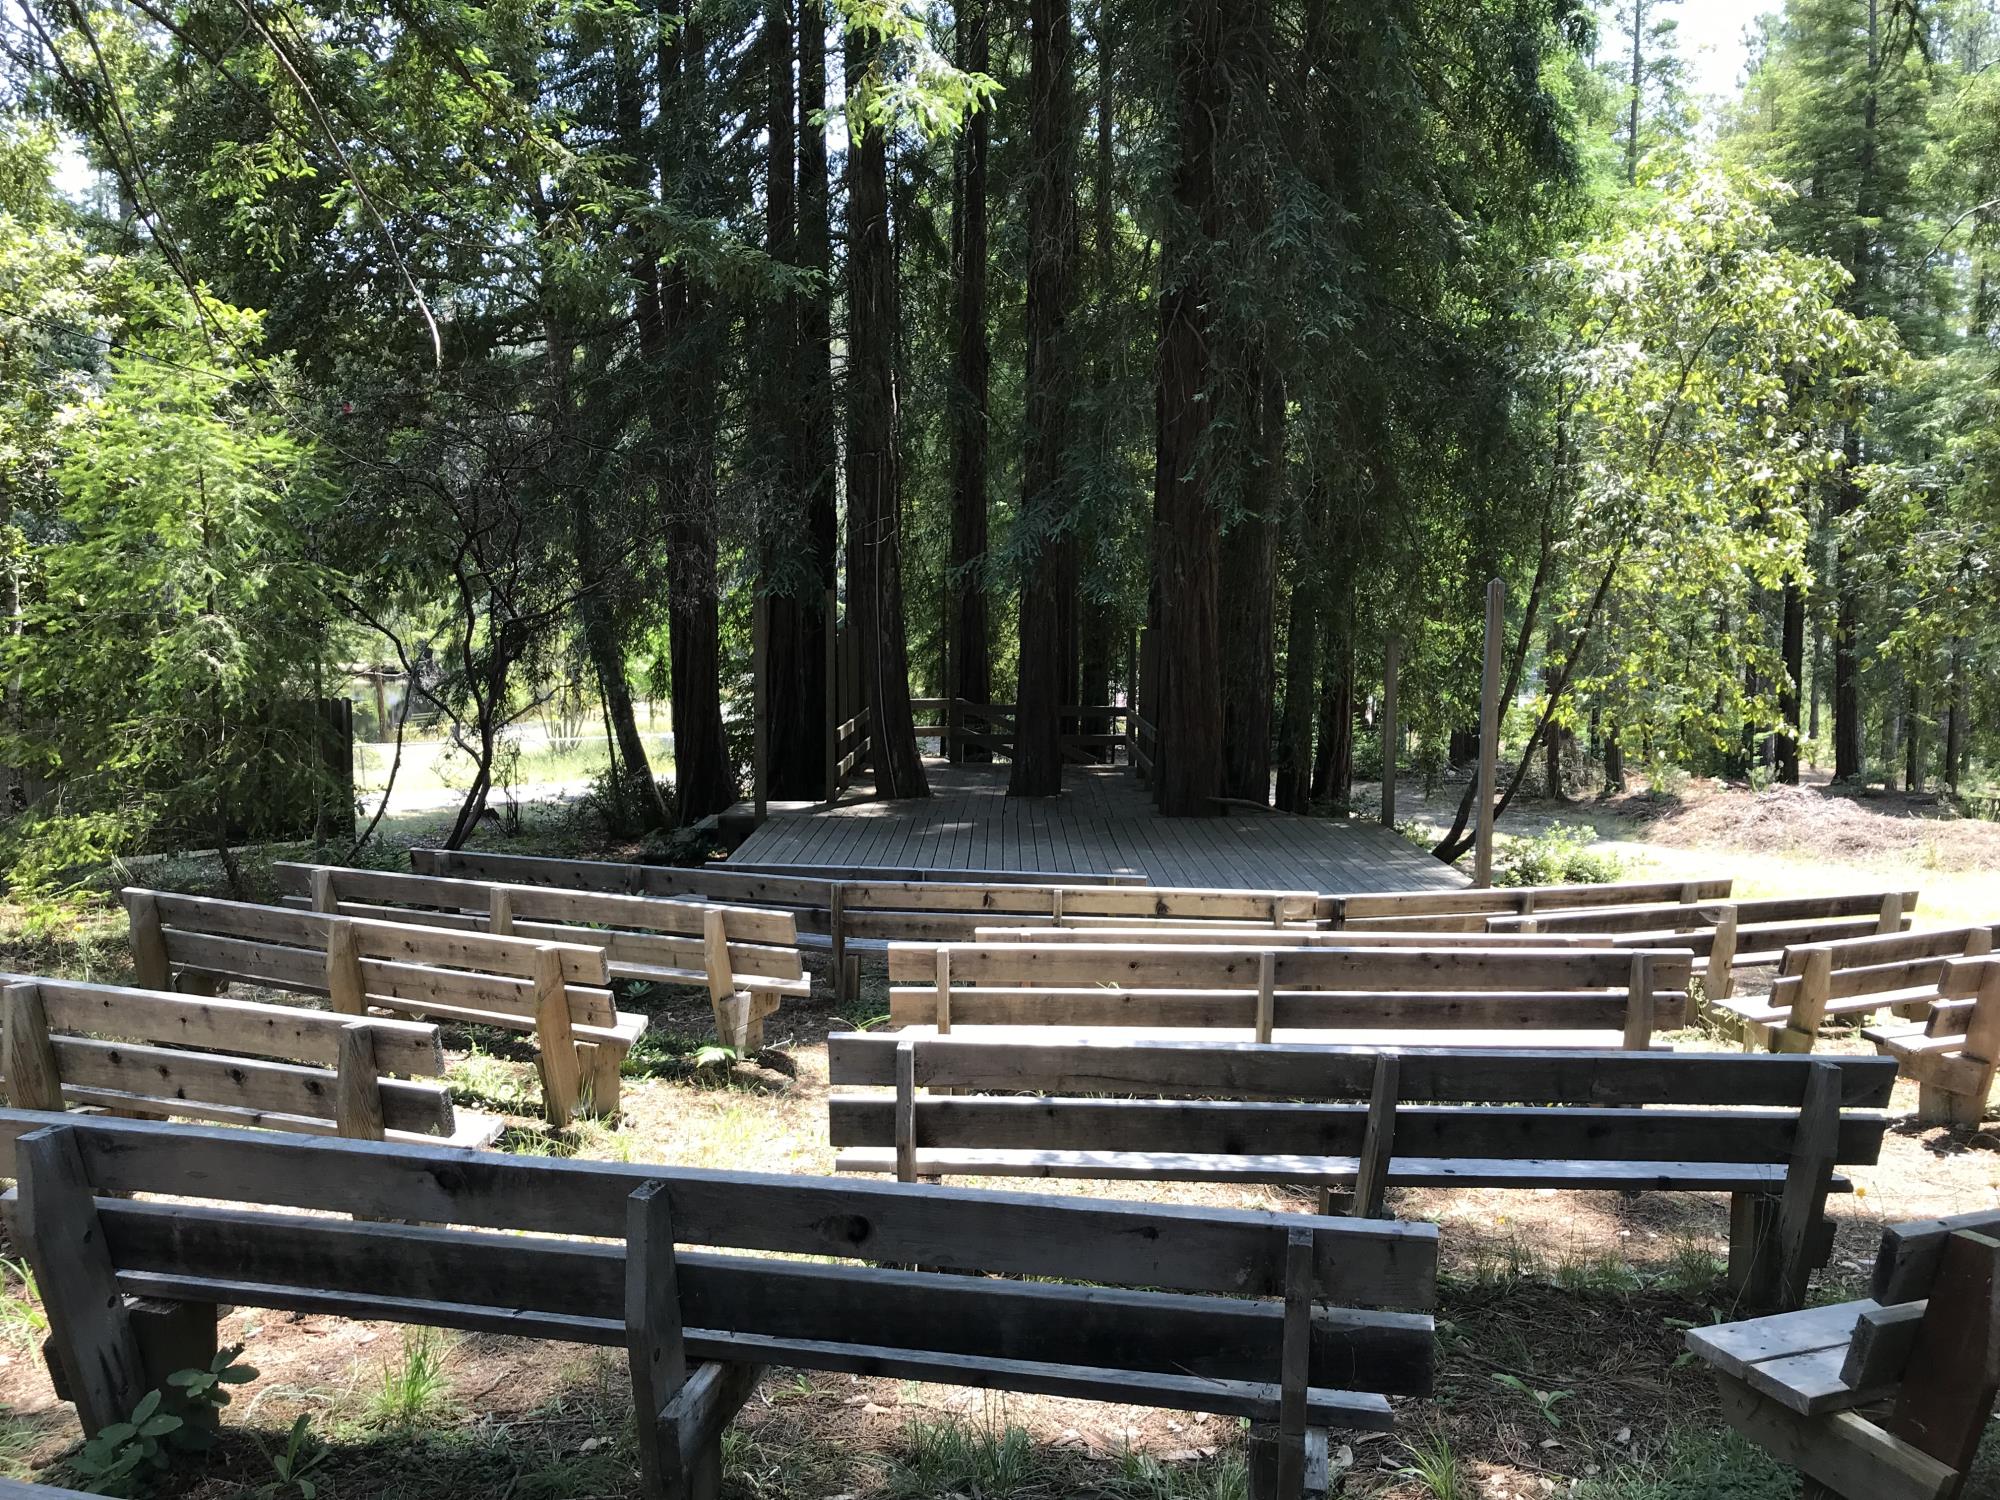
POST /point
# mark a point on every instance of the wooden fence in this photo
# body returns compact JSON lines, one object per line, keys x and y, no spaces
{"x":1091,"y":734}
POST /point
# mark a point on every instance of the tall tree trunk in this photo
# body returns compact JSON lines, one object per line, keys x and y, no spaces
{"x":1047,"y":485}
{"x":1956,"y":706}
{"x":968,"y":639}
{"x":1249,"y":597}
{"x":874,"y":459}
{"x":818,"y":443}
{"x":1792,"y":648}
{"x":1849,"y":758}
{"x":1190,"y":665}
{"x":791,"y":571}
{"x":677,"y":338}
{"x":1295,"y":734}
{"x":1638,"y":84}
{"x":1097,"y":620}
{"x":1333,"y":769}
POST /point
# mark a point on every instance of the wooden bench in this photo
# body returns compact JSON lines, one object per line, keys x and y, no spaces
{"x":1367,"y":1119}
{"x":1293,"y":1323}
{"x":1481,"y":996}
{"x":1468,"y":910}
{"x":143,"y":1053}
{"x":1224,"y":935}
{"x":1853,"y":977}
{"x":947,"y":874}
{"x":1952,"y":1054}
{"x":1922,"y":1352}
{"x":747,"y":958}
{"x":557,"y":991}
{"x":1762,"y":929}
{"x":857,"y":913}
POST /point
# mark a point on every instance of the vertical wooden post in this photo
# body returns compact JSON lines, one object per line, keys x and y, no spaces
{"x":906,"y":1111}
{"x":760,"y":704}
{"x":324,"y":898}
{"x":357,"y":1086}
{"x":500,"y":911}
{"x":832,"y":705}
{"x":1267,"y":996}
{"x":1891,"y":919}
{"x":1378,"y":1145}
{"x":1946,"y":1400}
{"x":836,"y":925}
{"x":553,"y":1035}
{"x":1719,"y":978}
{"x":654,"y":1347}
{"x":344,"y":984}
{"x":149,"y":943}
{"x":1491,"y":712}
{"x":34,"y":1080}
{"x":732,"y":1011}
{"x":1639,"y":1004}
{"x":1295,"y":1363}
{"x":942,"y":960}
{"x":1392,"y":735}
{"x":90,"y":1328}
{"x":1808,"y":1175}
{"x":1801,"y":1028}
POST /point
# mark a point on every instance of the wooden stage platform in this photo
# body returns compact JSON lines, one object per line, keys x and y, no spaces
{"x":1102,"y":824}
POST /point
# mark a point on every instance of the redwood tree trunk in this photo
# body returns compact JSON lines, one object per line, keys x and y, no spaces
{"x":1047,"y":486}
{"x":969,"y":654}
{"x":1190,"y":666}
{"x":874,"y":465}
{"x":818,"y":443}
{"x":791,"y":571}
{"x":1848,"y":754}
{"x":1249,"y":600}
{"x":1295,"y":734}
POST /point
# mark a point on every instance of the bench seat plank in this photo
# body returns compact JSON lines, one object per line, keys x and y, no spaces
{"x":1333,"y":1171}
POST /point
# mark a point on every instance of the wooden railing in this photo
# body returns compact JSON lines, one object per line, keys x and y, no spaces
{"x":997,"y":727}
{"x":848,"y":753}
{"x":1141,"y":744}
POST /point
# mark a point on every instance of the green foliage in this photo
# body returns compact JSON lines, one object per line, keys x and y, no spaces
{"x":1559,"y":855}
{"x":415,"y":1388}
{"x":127,"y":1458}
{"x":294,"y":1466}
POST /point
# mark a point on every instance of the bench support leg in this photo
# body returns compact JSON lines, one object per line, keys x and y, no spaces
{"x":680,"y":1412}
{"x":1937,"y":1106}
{"x":90,"y":1326}
{"x":1263,"y":1455}
{"x":1753,"y":1249}
{"x":597,"y":1065}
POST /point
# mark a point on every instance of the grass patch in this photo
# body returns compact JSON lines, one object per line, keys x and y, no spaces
{"x":1697,"y":1465}
{"x":416,"y":1388}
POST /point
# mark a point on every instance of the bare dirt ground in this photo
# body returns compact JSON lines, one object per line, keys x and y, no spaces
{"x":1560,"y":1323}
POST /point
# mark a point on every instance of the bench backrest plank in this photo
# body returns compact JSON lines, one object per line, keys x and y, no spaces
{"x":227,"y":1061}
{"x":1413,"y":908}
{"x":633,"y":931}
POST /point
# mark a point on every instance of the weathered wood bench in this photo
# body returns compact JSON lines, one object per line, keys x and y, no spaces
{"x":1468,"y":910}
{"x":870,"y":913}
{"x":557,"y":991}
{"x":949,"y":875}
{"x":1922,"y":1351}
{"x":1225,"y":935}
{"x":747,"y":958}
{"x":1293,"y":1323}
{"x":143,"y":1053}
{"x":1480,"y":996}
{"x":1850,"y":978}
{"x":1764,"y":928}
{"x":1953,"y":1053}
{"x":1772,"y":1137}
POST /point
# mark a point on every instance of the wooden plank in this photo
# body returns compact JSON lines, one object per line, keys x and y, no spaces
{"x":1906,"y":1264}
{"x":1160,"y":1245}
{"x":1953,"y":1372}
{"x":1854,"y":1456}
{"x":59,"y":1225}
{"x":1819,"y":1143}
{"x":1229,"y":1127}
{"x":1055,"y":1323}
{"x":1378,"y":1143}
{"x":1294,"y":1071}
{"x":655,"y":1351}
{"x":555,"y":1042}
{"x":357,"y":1089}
{"x":149,"y":949}
{"x":1294,"y":1361}
{"x":1879,"y":1350}
{"x":34,"y":1076}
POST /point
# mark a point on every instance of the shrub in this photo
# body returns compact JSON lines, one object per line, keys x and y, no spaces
{"x":1559,"y":855}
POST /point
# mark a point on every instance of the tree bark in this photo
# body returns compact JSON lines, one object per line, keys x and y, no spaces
{"x":874,"y":460}
{"x":1190,"y":667}
{"x":1792,"y":647}
{"x":1295,"y":734}
{"x":1249,"y":603}
{"x":792,"y":569}
{"x":1047,"y":485}
{"x":1849,"y":757}
{"x":969,"y":648}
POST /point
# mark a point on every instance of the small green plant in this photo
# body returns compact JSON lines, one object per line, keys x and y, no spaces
{"x":124,"y":1457}
{"x":1434,"y":1465}
{"x":1546,"y":1402}
{"x":203,"y":1394}
{"x":1559,"y":855}
{"x":414,"y":1388}
{"x":22,"y":1320}
{"x":294,"y":1465}
{"x":951,"y":1456}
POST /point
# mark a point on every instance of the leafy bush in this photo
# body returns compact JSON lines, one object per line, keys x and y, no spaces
{"x":1559,"y":855}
